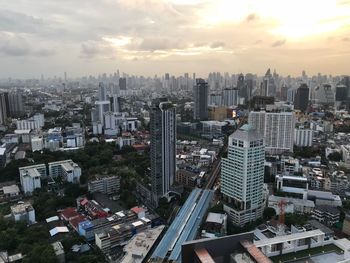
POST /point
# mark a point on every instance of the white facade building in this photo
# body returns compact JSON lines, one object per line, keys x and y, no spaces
{"x":105,"y":185}
{"x":303,"y":137}
{"x":23,"y":212}
{"x":30,"y":177}
{"x":242,"y":176}
{"x":67,"y":169}
{"x":37,"y":143}
{"x":277,"y":129}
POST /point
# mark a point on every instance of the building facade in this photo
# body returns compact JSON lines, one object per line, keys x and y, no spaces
{"x":242,"y":176}
{"x":163,"y":146}
{"x":277,"y":129}
{"x":200,"y":94}
{"x":301,"y":98}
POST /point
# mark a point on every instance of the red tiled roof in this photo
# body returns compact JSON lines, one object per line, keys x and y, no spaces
{"x":84,"y":201}
{"x":256,"y":253}
{"x":69,"y":213}
{"x":137,"y":209}
{"x":203,"y":255}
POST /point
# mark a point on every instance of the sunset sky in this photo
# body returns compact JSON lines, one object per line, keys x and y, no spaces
{"x":150,"y":37}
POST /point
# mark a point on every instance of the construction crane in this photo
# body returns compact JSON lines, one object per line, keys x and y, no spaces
{"x":281,"y":217}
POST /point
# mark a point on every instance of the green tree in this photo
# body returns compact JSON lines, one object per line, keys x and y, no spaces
{"x":335,"y":156}
{"x":269,"y":213}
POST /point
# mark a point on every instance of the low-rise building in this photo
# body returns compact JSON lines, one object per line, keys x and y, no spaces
{"x":67,"y":169}
{"x":59,"y":251}
{"x":30,"y":177}
{"x":9,"y":192}
{"x":105,"y":185}
{"x":23,"y":211}
{"x":120,"y":234}
{"x":326,"y":214}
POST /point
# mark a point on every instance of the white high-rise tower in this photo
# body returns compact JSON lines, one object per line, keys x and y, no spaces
{"x":242,"y":176}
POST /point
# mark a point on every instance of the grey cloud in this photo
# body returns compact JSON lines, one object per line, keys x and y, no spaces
{"x":251,"y":17}
{"x":278,"y":43}
{"x":91,"y":49}
{"x":17,"y":46}
{"x":19,"y":22}
{"x":217,"y":44}
{"x":154,"y":43}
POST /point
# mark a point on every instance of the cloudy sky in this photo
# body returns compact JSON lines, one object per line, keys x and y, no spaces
{"x":150,"y":37}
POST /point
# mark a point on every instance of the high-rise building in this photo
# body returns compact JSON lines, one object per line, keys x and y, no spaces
{"x":242,"y":176}
{"x":122,"y":83}
{"x":3,"y":109}
{"x":15,"y":104}
{"x":301,"y":98}
{"x":115,"y":103}
{"x":242,"y":89}
{"x":277,"y":129}
{"x":268,"y":87}
{"x":102,"y":91}
{"x":200,"y":94}
{"x":163,"y":146}
{"x":230,"y":97}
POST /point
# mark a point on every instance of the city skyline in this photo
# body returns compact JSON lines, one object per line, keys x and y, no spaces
{"x":151,"y":37}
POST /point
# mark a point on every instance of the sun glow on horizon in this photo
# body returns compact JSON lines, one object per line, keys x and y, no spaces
{"x":291,"y":19}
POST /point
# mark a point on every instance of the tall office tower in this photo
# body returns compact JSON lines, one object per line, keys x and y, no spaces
{"x":122,"y":83}
{"x":230,"y":97}
{"x":249,"y":83}
{"x":301,"y":98}
{"x":284,"y":92}
{"x":114,"y":100}
{"x":242,"y":89}
{"x":15,"y":104}
{"x":346,"y":82}
{"x":324,"y":95}
{"x":277,"y":129}
{"x":341,"y":93}
{"x":163,"y":146}
{"x":268,"y":87}
{"x":100,"y":108}
{"x":242,"y":176}
{"x":200,"y":94}
{"x":3,"y":109}
{"x":102,"y":92}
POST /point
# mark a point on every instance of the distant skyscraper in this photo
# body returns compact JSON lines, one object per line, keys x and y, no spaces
{"x":277,"y":129}
{"x":200,"y":94}
{"x":284,"y":92}
{"x":242,"y":89}
{"x":115,"y":107}
{"x":341,"y":92}
{"x":230,"y":97}
{"x":102,"y":92}
{"x":3,"y":109}
{"x":242,"y":176}
{"x":301,"y":98}
{"x":163,"y":146}
{"x":249,"y":83}
{"x":122,"y":83}
{"x":268,"y":87}
{"x":15,"y":104}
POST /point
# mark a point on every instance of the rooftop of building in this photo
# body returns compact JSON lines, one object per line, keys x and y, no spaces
{"x":216,"y":218}
{"x":139,"y":246}
{"x":327,"y":209}
{"x":22,"y":207}
{"x":246,"y":133}
{"x":11,"y":189}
